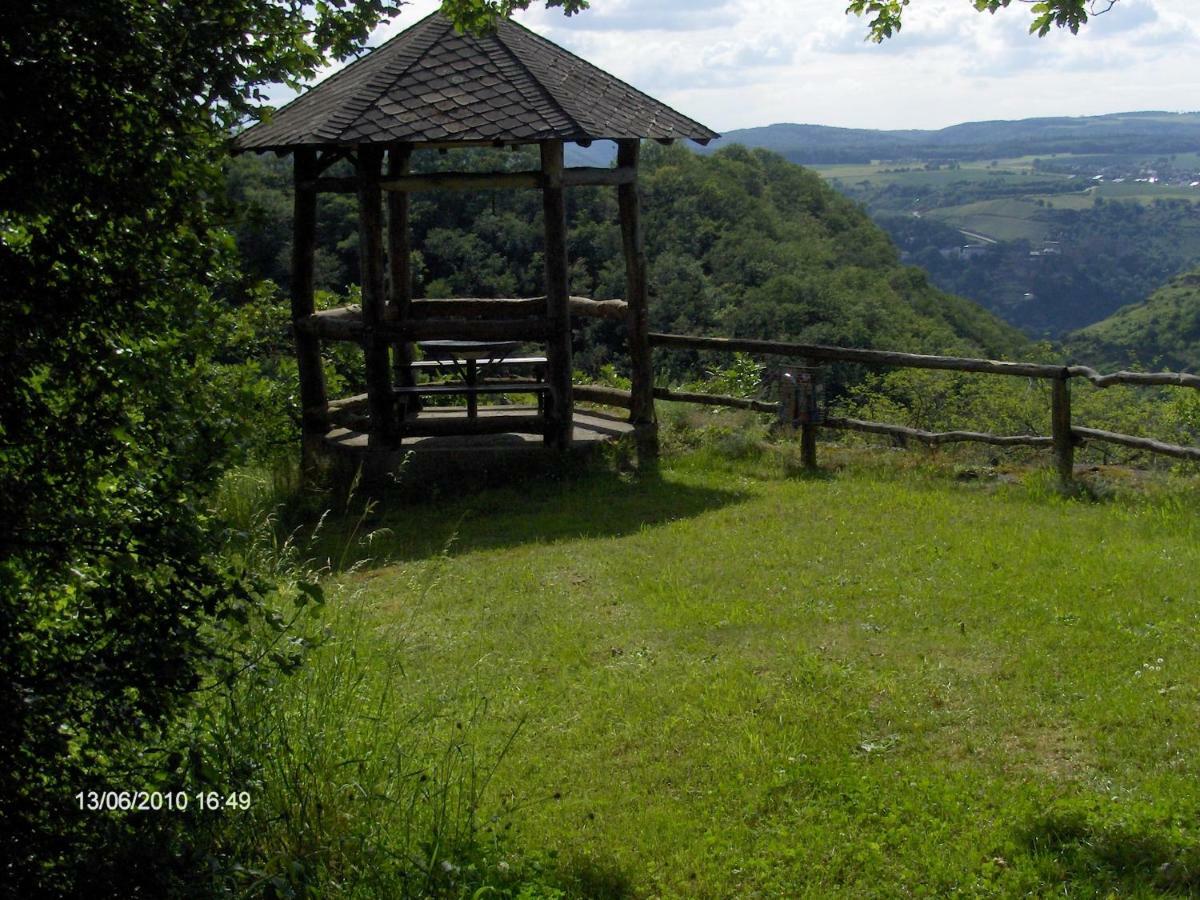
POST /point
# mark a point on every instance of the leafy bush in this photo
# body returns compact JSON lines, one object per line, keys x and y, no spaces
{"x":115,"y":422}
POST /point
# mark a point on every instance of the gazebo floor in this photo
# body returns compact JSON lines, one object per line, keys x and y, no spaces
{"x":592,"y":429}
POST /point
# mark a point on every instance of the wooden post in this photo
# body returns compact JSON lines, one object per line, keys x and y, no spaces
{"x":1060,"y":422}
{"x":808,"y":428}
{"x":370,"y":256}
{"x":314,"y":404}
{"x":554,"y":210}
{"x":808,"y":446}
{"x":399,"y":275}
{"x":641,"y":411}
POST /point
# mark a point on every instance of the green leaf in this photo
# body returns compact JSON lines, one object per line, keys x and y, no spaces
{"x":310,"y":591}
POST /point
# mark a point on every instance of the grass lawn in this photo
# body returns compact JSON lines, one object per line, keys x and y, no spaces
{"x":883,"y":682}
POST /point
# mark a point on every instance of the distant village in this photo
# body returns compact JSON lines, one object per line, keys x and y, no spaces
{"x":1164,"y":171}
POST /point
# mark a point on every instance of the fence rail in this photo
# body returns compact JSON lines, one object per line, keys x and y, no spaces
{"x":1063,"y":437}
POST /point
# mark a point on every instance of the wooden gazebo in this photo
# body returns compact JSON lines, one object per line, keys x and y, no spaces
{"x":432,"y":87}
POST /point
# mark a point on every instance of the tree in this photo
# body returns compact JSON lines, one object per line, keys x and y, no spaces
{"x":479,"y":15}
{"x":114,"y":599}
{"x":112,"y":595}
{"x":885,"y":15}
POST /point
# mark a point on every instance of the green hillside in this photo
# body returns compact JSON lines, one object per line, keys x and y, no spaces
{"x":1164,"y":331}
{"x":782,"y":255}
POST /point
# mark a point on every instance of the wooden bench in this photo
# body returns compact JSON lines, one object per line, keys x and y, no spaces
{"x":486,"y":387}
{"x":519,"y":361}
{"x":472,"y":389}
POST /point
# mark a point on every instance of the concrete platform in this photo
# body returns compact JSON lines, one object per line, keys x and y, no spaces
{"x":590,"y":427}
{"x":476,"y":455}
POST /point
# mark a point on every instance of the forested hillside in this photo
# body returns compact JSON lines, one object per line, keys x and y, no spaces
{"x":740,"y":243}
{"x":1163,"y":332}
{"x":1055,"y":268}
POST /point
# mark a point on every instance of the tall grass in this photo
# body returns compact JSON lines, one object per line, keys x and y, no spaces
{"x":356,"y":789}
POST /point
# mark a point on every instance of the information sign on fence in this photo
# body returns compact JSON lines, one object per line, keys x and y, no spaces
{"x":801,"y":396}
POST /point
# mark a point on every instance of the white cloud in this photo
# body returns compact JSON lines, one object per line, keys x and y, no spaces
{"x":738,"y":63}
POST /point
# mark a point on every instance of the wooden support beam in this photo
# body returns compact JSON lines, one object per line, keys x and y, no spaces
{"x":615,"y":310}
{"x":330,"y":158}
{"x":579,"y":176}
{"x":370,"y":256}
{"x":715,"y":400}
{"x":1137,"y":443}
{"x":641,"y":412}
{"x":399,"y":305}
{"x":346,"y":324}
{"x":554,"y":211}
{"x":935,"y":438}
{"x":436,"y":181}
{"x":313,"y":399}
{"x":1176,"y":379}
{"x":1060,"y":422}
{"x":471,"y":308}
{"x":464,"y":181}
{"x":598,"y":393}
{"x":808,"y":446}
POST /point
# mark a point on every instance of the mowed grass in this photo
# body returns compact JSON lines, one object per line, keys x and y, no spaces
{"x":724,"y":681}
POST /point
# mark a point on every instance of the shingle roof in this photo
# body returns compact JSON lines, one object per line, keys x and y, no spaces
{"x":430,"y":84}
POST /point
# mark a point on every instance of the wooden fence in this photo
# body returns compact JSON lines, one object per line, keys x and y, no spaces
{"x":1063,"y":437}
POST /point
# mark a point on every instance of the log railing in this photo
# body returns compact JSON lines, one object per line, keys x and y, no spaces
{"x":1062,"y":440}
{"x":520,"y":319}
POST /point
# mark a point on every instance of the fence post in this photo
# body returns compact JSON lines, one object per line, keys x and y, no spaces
{"x":1060,"y":422}
{"x":808,"y":446}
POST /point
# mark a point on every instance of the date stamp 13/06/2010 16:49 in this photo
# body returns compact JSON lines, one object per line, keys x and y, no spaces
{"x":168,"y":801}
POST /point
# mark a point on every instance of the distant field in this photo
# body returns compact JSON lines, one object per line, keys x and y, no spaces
{"x":1146,"y":193}
{"x":885,"y":174}
{"x":1081,"y":200}
{"x":1004,"y":217}
{"x":1004,"y":220}
{"x":1127,"y":192}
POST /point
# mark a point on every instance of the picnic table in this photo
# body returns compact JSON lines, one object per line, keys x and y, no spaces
{"x":467,"y":359}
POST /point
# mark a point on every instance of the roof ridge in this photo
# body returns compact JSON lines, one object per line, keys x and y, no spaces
{"x":302,"y":98}
{"x":390,"y":72}
{"x":591,"y":65}
{"x":544,"y":91}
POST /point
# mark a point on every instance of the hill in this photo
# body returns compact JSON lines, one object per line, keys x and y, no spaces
{"x":1051,"y":223}
{"x":1119,"y":133}
{"x":740,"y":242}
{"x":1163,"y":331}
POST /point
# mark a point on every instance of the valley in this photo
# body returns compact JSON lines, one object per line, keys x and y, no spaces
{"x":1053,"y":224}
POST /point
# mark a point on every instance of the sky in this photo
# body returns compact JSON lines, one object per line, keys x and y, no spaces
{"x":740,"y":63}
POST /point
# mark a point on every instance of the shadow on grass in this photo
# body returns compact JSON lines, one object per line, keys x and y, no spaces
{"x":551,"y":506}
{"x":1114,"y":857}
{"x":583,"y":876}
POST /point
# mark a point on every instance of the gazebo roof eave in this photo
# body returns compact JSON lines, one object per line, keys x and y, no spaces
{"x":471,"y":143}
